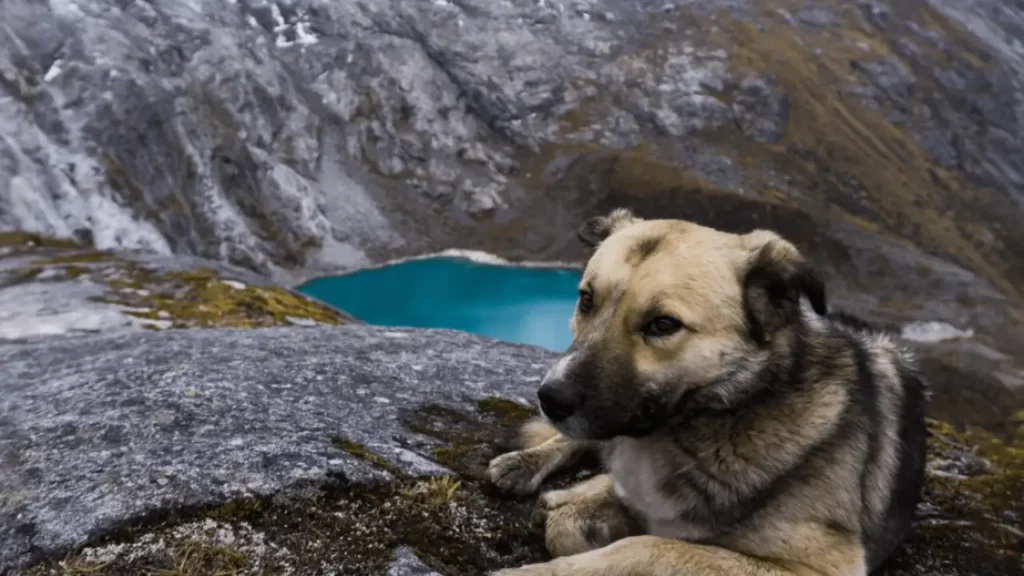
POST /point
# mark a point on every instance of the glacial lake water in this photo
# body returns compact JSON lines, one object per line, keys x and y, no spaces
{"x":511,"y":303}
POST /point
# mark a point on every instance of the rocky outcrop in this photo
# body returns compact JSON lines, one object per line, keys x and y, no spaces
{"x":50,"y":286}
{"x":328,"y":449}
{"x":335,"y":450}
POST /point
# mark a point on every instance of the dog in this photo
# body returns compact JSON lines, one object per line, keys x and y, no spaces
{"x":743,"y":430}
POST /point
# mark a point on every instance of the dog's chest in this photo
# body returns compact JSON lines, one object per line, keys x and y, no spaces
{"x":639,"y":471}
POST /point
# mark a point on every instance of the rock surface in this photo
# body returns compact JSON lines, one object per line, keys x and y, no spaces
{"x":306,"y":135}
{"x":98,"y":431}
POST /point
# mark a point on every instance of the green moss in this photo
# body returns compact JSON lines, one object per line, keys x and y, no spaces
{"x":457,"y":525}
{"x":359,"y":451}
{"x":452,"y":456}
{"x":235,"y":510}
{"x":32,"y":240}
{"x":86,"y":257}
{"x":74,"y":271}
{"x":192,"y":558}
{"x":974,"y":506}
{"x":26,"y":274}
{"x":510,"y":412}
{"x":199,"y":298}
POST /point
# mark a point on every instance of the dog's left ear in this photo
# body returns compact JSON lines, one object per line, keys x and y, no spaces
{"x":597,"y":229}
{"x":776,"y":277}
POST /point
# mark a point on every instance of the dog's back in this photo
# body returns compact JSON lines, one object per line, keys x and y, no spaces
{"x":893,"y":404}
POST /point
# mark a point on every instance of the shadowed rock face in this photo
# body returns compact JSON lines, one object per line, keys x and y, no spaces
{"x":294,"y":137}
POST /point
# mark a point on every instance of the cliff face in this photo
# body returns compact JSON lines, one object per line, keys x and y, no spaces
{"x":301,"y":136}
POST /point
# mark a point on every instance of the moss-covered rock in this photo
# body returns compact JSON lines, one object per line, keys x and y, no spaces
{"x":972,"y":517}
{"x":46,"y":277}
{"x":454,"y":523}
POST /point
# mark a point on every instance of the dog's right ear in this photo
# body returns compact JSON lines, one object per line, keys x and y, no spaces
{"x":597,"y":229}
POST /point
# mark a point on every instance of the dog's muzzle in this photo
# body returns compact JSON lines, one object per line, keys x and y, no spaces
{"x":558,"y":398}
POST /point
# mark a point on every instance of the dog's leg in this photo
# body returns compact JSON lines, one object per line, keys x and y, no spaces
{"x":545,"y":451}
{"x":584,"y":517}
{"x":653,"y":556}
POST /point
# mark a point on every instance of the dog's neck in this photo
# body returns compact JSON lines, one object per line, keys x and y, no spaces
{"x":777,"y":385}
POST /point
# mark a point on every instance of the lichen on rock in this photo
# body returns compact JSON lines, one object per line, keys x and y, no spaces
{"x":971,"y":520}
{"x":52,"y":286}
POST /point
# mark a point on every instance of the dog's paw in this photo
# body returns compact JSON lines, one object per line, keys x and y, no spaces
{"x":547,"y":503}
{"x":579,"y":525}
{"x":557,"y":498}
{"x":513,"y":472}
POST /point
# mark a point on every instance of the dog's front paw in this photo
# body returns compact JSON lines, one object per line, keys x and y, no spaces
{"x":514,"y":472}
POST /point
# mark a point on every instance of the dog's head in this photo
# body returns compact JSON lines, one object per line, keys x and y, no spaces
{"x":669,"y":313}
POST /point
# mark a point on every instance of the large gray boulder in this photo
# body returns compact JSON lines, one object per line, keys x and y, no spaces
{"x":102,"y":435}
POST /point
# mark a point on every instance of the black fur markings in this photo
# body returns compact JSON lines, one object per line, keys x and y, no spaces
{"x":865,"y":397}
{"x":772,"y":288}
{"x":909,"y":479}
{"x":643,"y":249}
{"x":774,"y":385}
{"x":593,"y":231}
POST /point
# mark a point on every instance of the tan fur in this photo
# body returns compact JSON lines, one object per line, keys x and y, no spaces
{"x":721,"y":459}
{"x":522,"y":471}
{"x":584,"y":517}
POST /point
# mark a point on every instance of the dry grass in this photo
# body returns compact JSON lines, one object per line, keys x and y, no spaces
{"x":193,"y":558}
{"x":434,"y":493}
{"x":78,"y":566}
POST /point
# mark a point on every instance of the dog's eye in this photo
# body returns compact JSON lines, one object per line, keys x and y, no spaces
{"x":662,"y":326}
{"x":586,"y":302}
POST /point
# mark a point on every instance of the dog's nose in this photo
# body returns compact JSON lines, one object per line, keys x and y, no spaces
{"x":556,"y":403}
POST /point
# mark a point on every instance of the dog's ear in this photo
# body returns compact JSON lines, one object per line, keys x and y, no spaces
{"x":777,"y":275}
{"x":597,"y":229}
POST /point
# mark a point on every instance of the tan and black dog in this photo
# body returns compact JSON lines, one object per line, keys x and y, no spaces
{"x":743,"y":432}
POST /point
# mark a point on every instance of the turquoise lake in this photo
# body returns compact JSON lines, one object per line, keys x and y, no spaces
{"x":510,"y":303}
